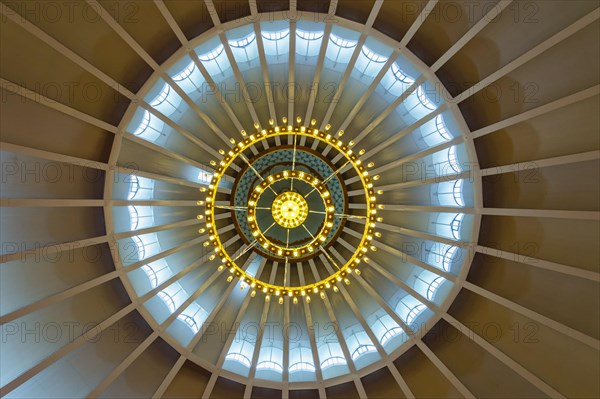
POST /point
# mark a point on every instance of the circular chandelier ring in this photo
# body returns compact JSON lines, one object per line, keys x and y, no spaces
{"x":370,"y":219}
{"x":317,"y":240}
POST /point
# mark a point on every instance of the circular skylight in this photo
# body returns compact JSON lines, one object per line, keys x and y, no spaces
{"x":345,"y":194}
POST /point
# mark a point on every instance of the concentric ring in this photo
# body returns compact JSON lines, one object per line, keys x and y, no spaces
{"x":317,"y":239}
{"x":351,"y":159}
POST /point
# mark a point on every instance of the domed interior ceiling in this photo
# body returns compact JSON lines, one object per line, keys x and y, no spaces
{"x":300,"y":199}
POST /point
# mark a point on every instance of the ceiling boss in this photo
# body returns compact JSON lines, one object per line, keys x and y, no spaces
{"x":290,"y":211}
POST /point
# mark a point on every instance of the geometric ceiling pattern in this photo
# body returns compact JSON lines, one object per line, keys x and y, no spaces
{"x":336,"y":199}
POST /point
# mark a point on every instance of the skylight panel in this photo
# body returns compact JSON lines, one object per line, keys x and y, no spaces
{"x":308,"y":43}
{"x":276,"y":43}
{"x":369,"y":63}
{"x":150,"y":127}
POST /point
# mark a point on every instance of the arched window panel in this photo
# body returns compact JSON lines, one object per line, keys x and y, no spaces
{"x":270,"y":360}
{"x":157,"y":272}
{"x":436,"y":131}
{"x":371,"y":59}
{"x":331,"y":357}
{"x":239,"y":355}
{"x":397,"y":79}
{"x":188,"y":323}
{"x":140,"y":188}
{"x":301,"y":359}
{"x":361,"y":348}
{"x":389,"y":333}
{"x":146,"y":125}
{"x":213,"y":57}
{"x":149,"y":276}
{"x":187,"y":75}
{"x":421,"y":102}
{"x":341,"y":46}
{"x":173,"y":296}
{"x":245,"y":51}
{"x":140,"y":217}
{"x":449,"y":193}
{"x":410,"y":309}
{"x":276,"y":40}
{"x":309,"y":36}
{"x":427,"y":284}
{"x":163,"y":98}
{"x":165,"y":302}
{"x":445,"y":257}
{"x":449,"y":225}
{"x":447,"y":161}
{"x":138,"y":247}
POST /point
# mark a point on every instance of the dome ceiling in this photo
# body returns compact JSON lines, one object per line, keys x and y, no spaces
{"x":303,"y":206}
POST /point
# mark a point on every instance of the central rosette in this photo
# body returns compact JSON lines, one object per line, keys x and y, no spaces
{"x":289,"y":210}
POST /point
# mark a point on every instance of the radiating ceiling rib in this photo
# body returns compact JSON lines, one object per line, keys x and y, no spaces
{"x":345,"y":350}
{"x":89,"y":335}
{"x":55,"y":105}
{"x":389,"y":109}
{"x":498,"y":354}
{"x":529,"y":55}
{"x":406,"y":131}
{"x":54,"y":249}
{"x":367,"y":94}
{"x":555,"y":325}
{"x":291,"y":92}
{"x":117,"y":371}
{"x":411,"y":259}
{"x":419,"y":155}
{"x":236,"y":71}
{"x":195,"y":340}
{"x":539,"y":263}
{"x":237,"y":322}
{"x":471,"y":33}
{"x":346,"y":76}
{"x":286,"y":346}
{"x":164,"y":385}
{"x":319,"y":67}
{"x":107,"y":17}
{"x":445,"y":370}
{"x":542,"y":213}
{"x":60,"y":296}
{"x":336,"y":328}
{"x":52,"y":156}
{"x":467,"y":174}
{"x":192,"y":54}
{"x":311,"y":334}
{"x":415,"y":233}
{"x":66,"y":349}
{"x":264,"y":68}
{"x":50,"y":202}
{"x":356,"y":311}
{"x":182,"y":203}
{"x":81,"y":62}
{"x":387,"y":359}
{"x":400,"y":283}
{"x":425,"y":208}
{"x":417,"y":23}
{"x":543,"y":163}
{"x":164,"y":254}
{"x":173,"y":155}
{"x":156,"y":176}
{"x":535,"y":112}
{"x":257,"y":342}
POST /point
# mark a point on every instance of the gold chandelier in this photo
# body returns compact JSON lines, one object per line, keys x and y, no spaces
{"x":290,"y":210}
